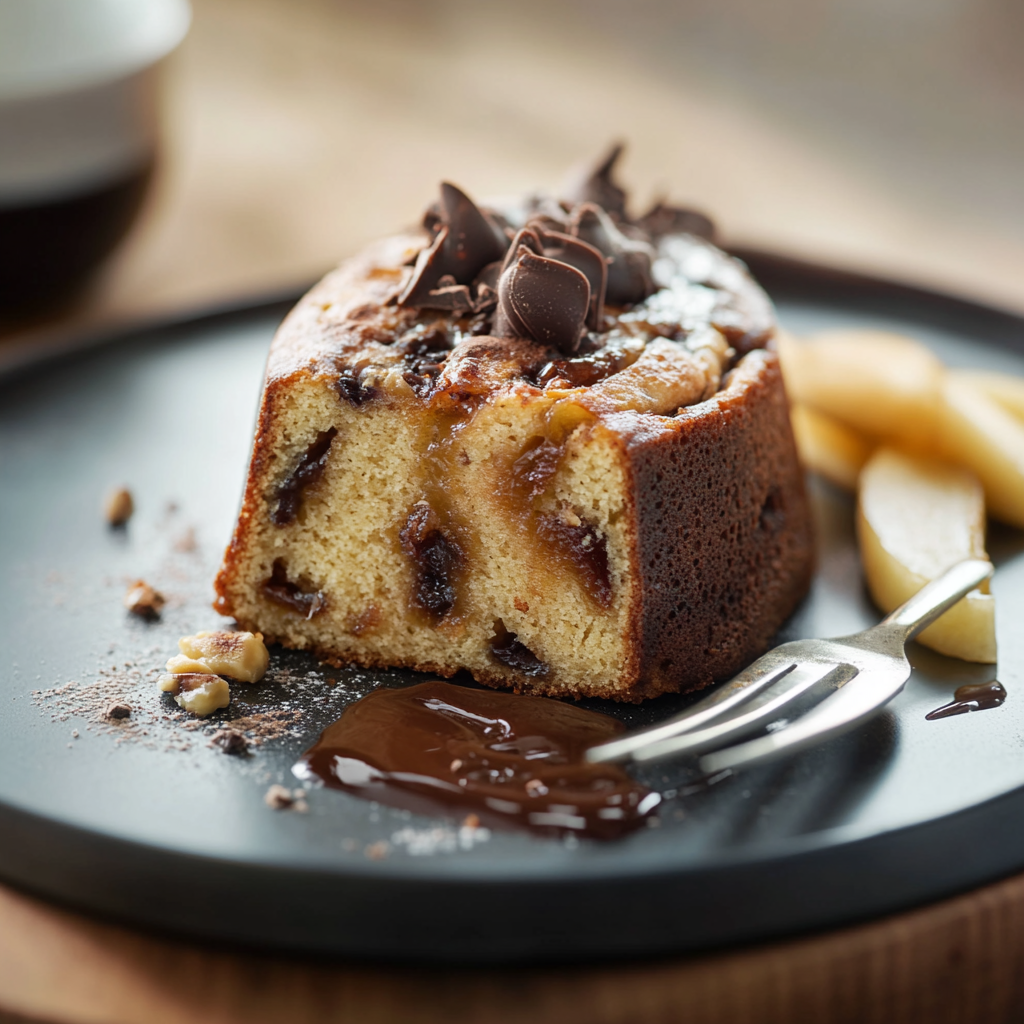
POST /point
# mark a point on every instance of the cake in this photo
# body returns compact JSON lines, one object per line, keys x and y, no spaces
{"x":538,"y":441}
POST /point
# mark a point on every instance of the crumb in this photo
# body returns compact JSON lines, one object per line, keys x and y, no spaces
{"x":521,"y":605}
{"x":142,"y":600}
{"x":280,"y":798}
{"x":455,"y":765}
{"x":186,"y":542}
{"x":202,"y":693}
{"x":119,"y":507}
{"x":118,"y":710}
{"x":74,"y":734}
{"x":378,"y":850}
{"x":471,"y":821}
{"x":231,"y":741}
{"x":536,"y":788}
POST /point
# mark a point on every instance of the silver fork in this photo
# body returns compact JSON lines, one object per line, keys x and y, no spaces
{"x":857,"y":675}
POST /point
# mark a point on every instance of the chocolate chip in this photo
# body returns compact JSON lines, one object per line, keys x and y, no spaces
{"x":118,"y":710}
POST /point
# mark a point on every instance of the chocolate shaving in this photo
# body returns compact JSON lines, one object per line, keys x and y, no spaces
{"x":542,"y":299}
{"x":465,"y":243}
{"x":666,"y":219}
{"x":629,"y":268}
{"x":593,"y":184}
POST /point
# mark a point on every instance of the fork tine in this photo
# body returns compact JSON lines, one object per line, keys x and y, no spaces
{"x":729,"y":696}
{"x":838,"y":713}
{"x":796,"y":683}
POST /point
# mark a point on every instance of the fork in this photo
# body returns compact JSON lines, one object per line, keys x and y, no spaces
{"x":850,"y":676}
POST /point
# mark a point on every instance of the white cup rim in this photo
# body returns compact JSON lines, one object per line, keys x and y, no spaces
{"x":49,"y":47}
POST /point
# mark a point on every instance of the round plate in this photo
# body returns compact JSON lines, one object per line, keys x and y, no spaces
{"x":145,"y":821}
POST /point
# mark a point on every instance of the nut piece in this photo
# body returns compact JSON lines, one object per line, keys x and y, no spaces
{"x":118,"y":710}
{"x":231,"y":741}
{"x":143,"y":600}
{"x":197,"y":692}
{"x":119,"y":507}
{"x":241,"y":656}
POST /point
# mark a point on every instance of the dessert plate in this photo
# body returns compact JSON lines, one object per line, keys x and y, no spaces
{"x":145,"y":820}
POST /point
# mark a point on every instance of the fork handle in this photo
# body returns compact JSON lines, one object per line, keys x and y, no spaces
{"x":939,"y":596}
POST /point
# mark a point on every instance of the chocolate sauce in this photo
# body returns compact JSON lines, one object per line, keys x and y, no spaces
{"x":283,"y":591}
{"x":972,"y":697}
{"x":511,"y":760}
{"x":308,"y":471}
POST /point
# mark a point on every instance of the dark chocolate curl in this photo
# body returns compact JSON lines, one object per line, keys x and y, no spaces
{"x":465,"y":243}
{"x":588,"y":261}
{"x":629,"y":271}
{"x":665,"y":219}
{"x":542,"y":299}
{"x":593,"y":184}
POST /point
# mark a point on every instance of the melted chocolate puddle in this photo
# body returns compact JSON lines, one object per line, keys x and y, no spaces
{"x":972,"y":697}
{"x":512,"y":760}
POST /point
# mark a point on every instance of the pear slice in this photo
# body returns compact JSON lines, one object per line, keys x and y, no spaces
{"x":880,"y":384}
{"x":1005,"y":389}
{"x":915,"y":519}
{"x":828,"y":447}
{"x":978,"y":433}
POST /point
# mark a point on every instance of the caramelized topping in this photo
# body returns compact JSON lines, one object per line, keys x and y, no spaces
{"x":307,"y":472}
{"x":437,"y":559}
{"x":513,"y":760}
{"x":576,"y":542}
{"x":353,"y":390}
{"x":283,"y":591}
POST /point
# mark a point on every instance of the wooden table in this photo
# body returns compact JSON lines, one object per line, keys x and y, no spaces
{"x":298,"y":131}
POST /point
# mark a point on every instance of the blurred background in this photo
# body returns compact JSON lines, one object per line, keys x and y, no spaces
{"x":870,"y":134}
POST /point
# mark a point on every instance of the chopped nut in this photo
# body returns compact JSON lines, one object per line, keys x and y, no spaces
{"x":143,"y":600}
{"x":119,"y":507}
{"x":230,"y":741}
{"x":197,"y":692}
{"x":241,"y":656}
{"x":118,"y":711}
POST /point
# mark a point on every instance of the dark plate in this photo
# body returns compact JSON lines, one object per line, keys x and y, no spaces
{"x":146,"y":822}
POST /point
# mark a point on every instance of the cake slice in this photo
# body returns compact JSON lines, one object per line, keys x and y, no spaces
{"x":544,"y":444}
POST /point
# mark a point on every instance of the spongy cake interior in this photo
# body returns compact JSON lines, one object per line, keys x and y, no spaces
{"x":346,"y":542}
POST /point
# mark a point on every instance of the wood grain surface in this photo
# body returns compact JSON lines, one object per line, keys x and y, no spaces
{"x":956,"y":962}
{"x":296,"y":132}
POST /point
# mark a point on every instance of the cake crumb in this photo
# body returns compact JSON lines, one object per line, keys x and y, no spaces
{"x":119,"y":507}
{"x":280,"y":798}
{"x":142,"y":600}
{"x":118,"y":710}
{"x":378,"y":850}
{"x":471,"y":821}
{"x":186,"y":543}
{"x":231,"y":741}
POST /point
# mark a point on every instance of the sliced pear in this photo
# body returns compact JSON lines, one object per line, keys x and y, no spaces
{"x":980,"y":434}
{"x":916,"y":518}
{"x":829,"y":447}
{"x":881,"y":384}
{"x":1003,"y":388}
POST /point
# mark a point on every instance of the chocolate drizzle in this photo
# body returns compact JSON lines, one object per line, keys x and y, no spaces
{"x":307,"y":472}
{"x":466,"y":242}
{"x":514,"y":760}
{"x":972,"y":697}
